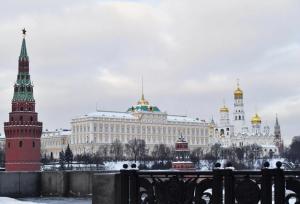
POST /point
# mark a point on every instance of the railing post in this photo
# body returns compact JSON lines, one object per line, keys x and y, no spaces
{"x":266,"y":185}
{"x":279,"y":181}
{"x":133,"y":187}
{"x":217,"y":190}
{"x":229,"y":186}
{"x":124,"y":186}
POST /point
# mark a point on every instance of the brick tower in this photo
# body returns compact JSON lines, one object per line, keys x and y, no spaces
{"x":23,"y":131}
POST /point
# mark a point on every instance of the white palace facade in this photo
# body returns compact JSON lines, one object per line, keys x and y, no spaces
{"x":142,"y":121}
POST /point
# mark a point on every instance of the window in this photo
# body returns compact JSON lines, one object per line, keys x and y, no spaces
{"x":31,"y":118}
{"x":20,"y":143}
{"x":21,"y":118}
{"x":8,"y":144}
{"x":33,"y":144}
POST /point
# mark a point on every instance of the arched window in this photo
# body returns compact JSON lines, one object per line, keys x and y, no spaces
{"x":240,"y":117}
{"x":20,"y":143}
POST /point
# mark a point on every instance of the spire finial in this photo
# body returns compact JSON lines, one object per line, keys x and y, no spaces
{"x":24,"y":32}
{"x":23,"y":54}
{"x":224,"y":102}
{"x":143,"y":98}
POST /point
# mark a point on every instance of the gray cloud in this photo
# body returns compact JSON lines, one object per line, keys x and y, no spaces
{"x":189,"y":52}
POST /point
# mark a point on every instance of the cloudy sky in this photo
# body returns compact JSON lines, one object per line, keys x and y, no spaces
{"x":190,"y":53}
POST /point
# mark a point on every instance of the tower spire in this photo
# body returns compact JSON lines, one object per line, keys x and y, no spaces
{"x":23,"y":53}
{"x":143,"y":97}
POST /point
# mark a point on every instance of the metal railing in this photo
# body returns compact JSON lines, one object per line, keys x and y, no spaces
{"x":265,"y":186}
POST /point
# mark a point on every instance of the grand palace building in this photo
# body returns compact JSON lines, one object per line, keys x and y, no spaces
{"x":141,"y":121}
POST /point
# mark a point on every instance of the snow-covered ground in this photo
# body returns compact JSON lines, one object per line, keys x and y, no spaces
{"x":45,"y":200}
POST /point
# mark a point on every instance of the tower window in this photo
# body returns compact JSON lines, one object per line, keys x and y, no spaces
{"x":20,"y":143}
{"x":12,"y":118}
{"x":33,"y":144}
{"x":21,"y":109}
{"x":240,"y":117}
{"x":31,"y":118}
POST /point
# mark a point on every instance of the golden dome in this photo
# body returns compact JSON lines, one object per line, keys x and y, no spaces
{"x":256,"y":119}
{"x":238,"y":92}
{"x":224,"y":109}
{"x":143,"y":101}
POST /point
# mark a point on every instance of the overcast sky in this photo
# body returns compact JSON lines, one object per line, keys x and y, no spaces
{"x":190,"y":53}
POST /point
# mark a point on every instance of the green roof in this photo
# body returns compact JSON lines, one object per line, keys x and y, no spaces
{"x":143,"y":108}
{"x":23,"y":89}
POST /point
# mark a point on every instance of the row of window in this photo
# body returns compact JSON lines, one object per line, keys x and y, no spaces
{"x":21,"y":131}
{"x":137,"y":129}
{"x":21,"y":144}
{"x":20,"y":118}
{"x":125,"y":139}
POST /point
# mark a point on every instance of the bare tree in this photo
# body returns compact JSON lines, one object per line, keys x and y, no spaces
{"x":161,"y":152}
{"x":136,"y":149}
{"x":116,"y":150}
{"x":197,"y":155}
{"x":103,"y":152}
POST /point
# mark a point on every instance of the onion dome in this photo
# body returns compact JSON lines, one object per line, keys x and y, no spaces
{"x":256,"y":119}
{"x":224,"y":109}
{"x":238,"y":93}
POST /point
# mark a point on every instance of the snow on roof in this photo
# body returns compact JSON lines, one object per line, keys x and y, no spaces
{"x":110,"y":114}
{"x":177,"y":118}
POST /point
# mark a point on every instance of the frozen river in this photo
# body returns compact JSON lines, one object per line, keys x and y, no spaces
{"x":46,"y":200}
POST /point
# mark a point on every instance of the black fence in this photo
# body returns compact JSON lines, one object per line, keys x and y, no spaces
{"x":265,"y":186}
